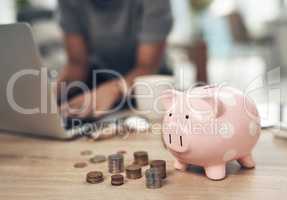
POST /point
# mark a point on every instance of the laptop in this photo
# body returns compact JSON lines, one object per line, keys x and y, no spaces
{"x":27,"y":103}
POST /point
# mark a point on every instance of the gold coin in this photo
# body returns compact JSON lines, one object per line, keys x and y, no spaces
{"x":80,"y":165}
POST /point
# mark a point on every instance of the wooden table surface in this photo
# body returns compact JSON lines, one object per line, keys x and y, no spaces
{"x":34,"y":168}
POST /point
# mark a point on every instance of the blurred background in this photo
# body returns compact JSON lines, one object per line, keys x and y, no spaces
{"x":238,"y":42}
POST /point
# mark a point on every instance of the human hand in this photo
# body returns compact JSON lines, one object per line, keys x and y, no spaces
{"x":94,"y":103}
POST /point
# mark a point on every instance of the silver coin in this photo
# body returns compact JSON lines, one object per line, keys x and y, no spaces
{"x":86,"y":153}
{"x":98,"y":159}
{"x":153,"y":178}
{"x":116,"y":163}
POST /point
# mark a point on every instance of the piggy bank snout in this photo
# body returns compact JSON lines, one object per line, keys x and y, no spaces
{"x":176,"y":142}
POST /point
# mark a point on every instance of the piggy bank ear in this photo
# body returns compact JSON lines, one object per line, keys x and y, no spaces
{"x":212,"y":105}
{"x":206,"y":106}
{"x":168,"y":97}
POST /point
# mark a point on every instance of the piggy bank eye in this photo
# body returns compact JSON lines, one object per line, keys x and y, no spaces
{"x":170,"y":114}
{"x":186,"y":116}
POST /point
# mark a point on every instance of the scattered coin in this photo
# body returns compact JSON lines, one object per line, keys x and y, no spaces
{"x":160,"y":165}
{"x":116,"y":163}
{"x":95,"y":177}
{"x":117,"y":179}
{"x":133,"y":172}
{"x":86,"y":153}
{"x":153,"y":178}
{"x":80,"y":165}
{"x":98,"y":159}
{"x":141,"y":158}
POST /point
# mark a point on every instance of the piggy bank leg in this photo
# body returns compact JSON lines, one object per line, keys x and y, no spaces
{"x":247,"y":162}
{"x":179,"y":165}
{"x":216,"y":172}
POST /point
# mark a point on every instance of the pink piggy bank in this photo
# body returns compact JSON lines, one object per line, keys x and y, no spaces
{"x":210,"y":126}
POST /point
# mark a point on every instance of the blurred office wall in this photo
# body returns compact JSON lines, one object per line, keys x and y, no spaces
{"x":7,"y":12}
{"x":48,"y":4}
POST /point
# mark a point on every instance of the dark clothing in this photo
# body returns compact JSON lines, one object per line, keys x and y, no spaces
{"x":113,"y":29}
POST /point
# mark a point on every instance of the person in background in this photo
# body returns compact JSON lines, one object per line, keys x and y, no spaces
{"x":188,"y":50}
{"x":198,"y":52}
{"x":126,"y":36}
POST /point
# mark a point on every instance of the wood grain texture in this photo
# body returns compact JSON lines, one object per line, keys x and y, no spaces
{"x":33,"y":168}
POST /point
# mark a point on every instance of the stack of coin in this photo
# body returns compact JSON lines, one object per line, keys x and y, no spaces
{"x":141,"y":158}
{"x":153,"y":178}
{"x":160,"y":165}
{"x":117,"y":179}
{"x":133,"y":172}
{"x":95,"y":177}
{"x":116,"y":163}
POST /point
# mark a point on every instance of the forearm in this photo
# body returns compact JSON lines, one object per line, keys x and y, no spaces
{"x":139,"y":71}
{"x":72,"y":73}
{"x":76,"y":68}
{"x":148,"y":61}
{"x":69,"y":74}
